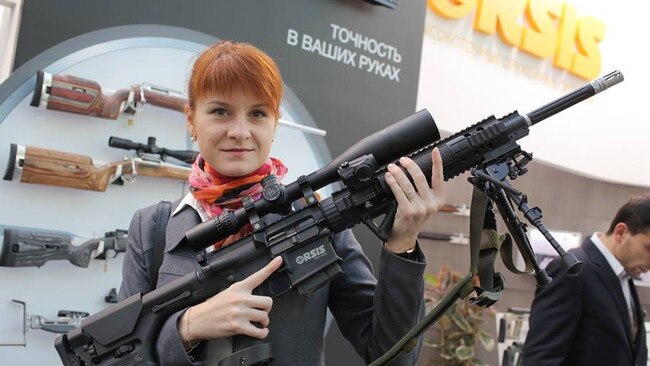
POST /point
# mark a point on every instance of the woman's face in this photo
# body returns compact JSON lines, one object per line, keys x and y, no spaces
{"x":234,"y":132}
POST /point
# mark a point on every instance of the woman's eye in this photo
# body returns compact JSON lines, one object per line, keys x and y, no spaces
{"x":258,"y":114}
{"x":219,"y":112}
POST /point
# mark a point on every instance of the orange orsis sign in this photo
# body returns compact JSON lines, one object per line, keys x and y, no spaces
{"x":554,"y":30}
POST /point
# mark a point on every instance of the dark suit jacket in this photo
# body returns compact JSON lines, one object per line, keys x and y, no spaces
{"x":371,"y":315}
{"x":583,"y":320}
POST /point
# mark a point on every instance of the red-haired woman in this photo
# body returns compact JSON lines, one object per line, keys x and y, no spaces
{"x":233,"y":110}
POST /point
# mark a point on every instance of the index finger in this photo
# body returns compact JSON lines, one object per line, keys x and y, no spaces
{"x":260,"y":276}
{"x":437,"y":174}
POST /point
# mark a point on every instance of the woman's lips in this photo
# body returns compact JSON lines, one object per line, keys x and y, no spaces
{"x":236,"y":152}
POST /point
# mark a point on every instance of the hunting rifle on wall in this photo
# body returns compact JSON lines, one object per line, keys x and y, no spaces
{"x":27,"y":247}
{"x":68,"y":93}
{"x":37,"y":165}
{"x":65,"y":321}
{"x":73,"y":94}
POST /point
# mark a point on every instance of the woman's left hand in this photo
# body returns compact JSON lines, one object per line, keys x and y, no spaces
{"x":415,"y":204}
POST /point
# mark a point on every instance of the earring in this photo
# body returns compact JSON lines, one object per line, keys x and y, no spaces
{"x":193,"y":138}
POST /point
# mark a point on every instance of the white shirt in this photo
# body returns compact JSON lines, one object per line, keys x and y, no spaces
{"x":189,"y":200}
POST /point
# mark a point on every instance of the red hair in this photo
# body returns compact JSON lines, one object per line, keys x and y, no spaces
{"x":227,"y":67}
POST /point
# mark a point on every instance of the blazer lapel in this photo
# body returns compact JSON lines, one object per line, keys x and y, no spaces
{"x":612,"y":284}
{"x":178,"y":224}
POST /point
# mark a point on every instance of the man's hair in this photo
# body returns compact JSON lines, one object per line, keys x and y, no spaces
{"x":635,"y":213}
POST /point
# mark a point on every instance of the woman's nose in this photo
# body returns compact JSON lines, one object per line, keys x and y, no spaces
{"x":239,"y":129}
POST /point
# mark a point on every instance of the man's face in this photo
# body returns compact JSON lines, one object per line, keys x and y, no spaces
{"x":634,"y":252}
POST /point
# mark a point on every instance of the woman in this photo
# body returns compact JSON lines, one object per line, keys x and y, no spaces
{"x":232,"y":113}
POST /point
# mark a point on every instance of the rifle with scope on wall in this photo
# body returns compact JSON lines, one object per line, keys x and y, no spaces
{"x":30,"y":164}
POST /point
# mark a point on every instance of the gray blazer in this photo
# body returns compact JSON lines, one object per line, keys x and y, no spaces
{"x":372,"y":316}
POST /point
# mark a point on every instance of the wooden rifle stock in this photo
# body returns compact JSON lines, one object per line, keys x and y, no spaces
{"x":73,"y":94}
{"x":56,"y":168}
{"x":458,"y":210}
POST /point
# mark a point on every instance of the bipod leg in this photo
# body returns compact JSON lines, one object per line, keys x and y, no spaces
{"x":493,"y":181}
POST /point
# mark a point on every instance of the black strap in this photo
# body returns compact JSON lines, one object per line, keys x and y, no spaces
{"x":484,"y":246}
{"x":163,"y":212}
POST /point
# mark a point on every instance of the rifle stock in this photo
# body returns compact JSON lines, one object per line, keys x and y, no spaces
{"x":73,"y":94}
{"x":56,"y":168}
{"x":65,"y":321}
{"x":27,"y":249}
{"x":457,"y":210}
{"x":32,"y":248}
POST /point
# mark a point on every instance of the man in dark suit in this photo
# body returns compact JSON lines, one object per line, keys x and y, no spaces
{"x":595,"y":318}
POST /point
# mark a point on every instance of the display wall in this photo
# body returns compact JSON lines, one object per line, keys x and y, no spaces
{"x":86,"y":214}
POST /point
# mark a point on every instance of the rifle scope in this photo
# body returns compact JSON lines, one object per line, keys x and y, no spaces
{"x":187,"y":156}
{"x":398,"y":139}
{"x":487,"y":142}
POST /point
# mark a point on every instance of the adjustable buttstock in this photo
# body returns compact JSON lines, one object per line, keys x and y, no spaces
{"x":61,"y":169}
{"x":73,"y":94}
{"x":22,"y":248}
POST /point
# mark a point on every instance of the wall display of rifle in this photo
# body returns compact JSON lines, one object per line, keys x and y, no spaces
{"x":29,"y":164}
{"x":512,"y":328}
{"x":73,"y":94}
{"x":25,"y":247}
{"x":457,"y":210}
{"x":65,"y":321}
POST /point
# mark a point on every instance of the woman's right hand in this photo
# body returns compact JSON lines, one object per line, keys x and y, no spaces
{"x":231,"y":311}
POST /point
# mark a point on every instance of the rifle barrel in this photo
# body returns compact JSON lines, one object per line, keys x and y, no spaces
{"x":574,"y":97}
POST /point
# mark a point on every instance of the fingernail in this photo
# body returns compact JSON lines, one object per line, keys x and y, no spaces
{"x":392,"y":166}
{"x":404,"y":160}
{"x":389,"y":176}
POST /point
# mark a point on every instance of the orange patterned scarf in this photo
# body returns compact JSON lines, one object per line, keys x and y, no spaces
{"x":217,"y":192}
